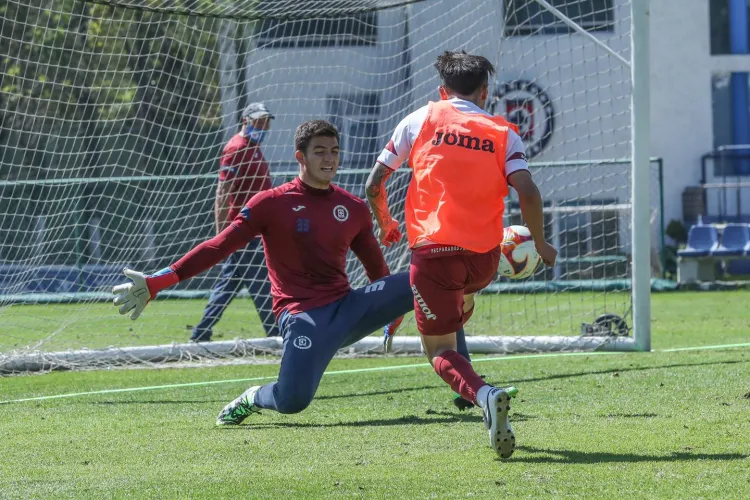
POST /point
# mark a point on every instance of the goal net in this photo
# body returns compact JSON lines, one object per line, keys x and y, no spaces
{"x":114,"y":114}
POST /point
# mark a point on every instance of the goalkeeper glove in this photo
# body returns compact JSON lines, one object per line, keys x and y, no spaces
{"x":389,"y":331}
{"x":134,"y":296}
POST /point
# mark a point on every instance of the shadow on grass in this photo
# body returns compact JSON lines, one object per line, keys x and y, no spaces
{"x":455,"y":417}
{"x":434,"y":417}
{"x":540,"y":379}
{"x":630,"y":369}
{"x":593,"y":457}
{"x":628,"y":415}
{"x":386,"y":392}
{"x":442,"y":386}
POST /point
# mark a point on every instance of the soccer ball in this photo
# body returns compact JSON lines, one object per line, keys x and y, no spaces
{"x":519,"y":258}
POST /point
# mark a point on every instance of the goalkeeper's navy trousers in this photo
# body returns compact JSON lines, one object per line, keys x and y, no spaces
{"x":312,"y":338}
{"x":246,"y":267}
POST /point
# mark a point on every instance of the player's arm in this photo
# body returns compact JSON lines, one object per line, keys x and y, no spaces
{"x":532,"y":212}
{"x":378,"y":199}
{"x":531,"y":203}
{"x":518,"y":175}
{"x":221,"y":204}
{"x":135,"y":295}
{"x":228,"y":168}
{"x":393,"y":155}
{"x":367,"y":250}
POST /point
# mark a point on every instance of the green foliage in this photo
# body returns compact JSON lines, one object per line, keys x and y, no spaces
{"x":71,"y":61}
{"x":93,"y":90}
{"x":676,"y":231}
{"x":670,"y":262}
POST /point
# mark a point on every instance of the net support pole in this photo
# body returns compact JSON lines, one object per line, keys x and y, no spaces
{"x":641,"y":139}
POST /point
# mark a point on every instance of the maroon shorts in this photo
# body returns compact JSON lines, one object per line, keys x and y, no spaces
{"x":440,"y":276}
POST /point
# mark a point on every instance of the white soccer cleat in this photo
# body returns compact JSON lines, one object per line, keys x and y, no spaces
{"x":239,"y":409}
{"x":495,"y":410}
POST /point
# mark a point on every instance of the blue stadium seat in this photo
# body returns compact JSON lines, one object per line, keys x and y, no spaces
{"x":702,"y":240}
{"x":734,"y":241}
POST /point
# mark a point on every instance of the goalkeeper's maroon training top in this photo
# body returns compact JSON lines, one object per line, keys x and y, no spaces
{"x":306,"y":234}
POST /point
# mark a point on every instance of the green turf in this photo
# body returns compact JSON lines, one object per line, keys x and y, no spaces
{"x":676,"y":320}
{"x":656,"y":425}
{"x":652,"y":425}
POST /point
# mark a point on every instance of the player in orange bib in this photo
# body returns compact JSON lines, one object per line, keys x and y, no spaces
{"x":463,"y":160}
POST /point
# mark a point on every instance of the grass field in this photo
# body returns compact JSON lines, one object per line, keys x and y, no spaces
{"x":645,"y":425}
{"x":675,"y":316}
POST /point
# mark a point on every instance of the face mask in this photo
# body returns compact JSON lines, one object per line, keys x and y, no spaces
{"x":255,"y":135}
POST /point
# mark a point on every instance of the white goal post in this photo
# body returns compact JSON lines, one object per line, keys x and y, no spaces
{"x":641,"y":199}
{"x":117,"y":110}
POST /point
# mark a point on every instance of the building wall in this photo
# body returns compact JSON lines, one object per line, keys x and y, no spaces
{"x":296,"y":82}
{"x":681,"y":115}
{"x":589,"y":88}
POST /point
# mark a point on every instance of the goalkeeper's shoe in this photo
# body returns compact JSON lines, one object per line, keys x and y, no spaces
{"x":201,"y":336}
{"x":239,"y":409}
{"x":495,"y":410}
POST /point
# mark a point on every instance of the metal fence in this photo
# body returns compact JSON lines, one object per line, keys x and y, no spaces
{"x":725,"y":181}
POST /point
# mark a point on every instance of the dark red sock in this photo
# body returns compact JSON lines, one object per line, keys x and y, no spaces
{"x":459,"y":374}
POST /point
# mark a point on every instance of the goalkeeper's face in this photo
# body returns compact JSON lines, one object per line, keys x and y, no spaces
{"x":320,"y":161}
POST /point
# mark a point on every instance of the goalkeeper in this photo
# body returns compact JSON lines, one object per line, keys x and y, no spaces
{"x":307,"y":226}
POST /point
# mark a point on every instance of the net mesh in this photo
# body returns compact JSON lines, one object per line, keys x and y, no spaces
{"x":114,"y":114}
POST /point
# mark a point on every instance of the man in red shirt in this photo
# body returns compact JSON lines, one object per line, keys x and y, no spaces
{"x":308,"y":225}
{"x":243,"y":172}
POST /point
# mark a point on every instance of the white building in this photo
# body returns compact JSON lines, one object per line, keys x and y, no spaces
{"x":368,"y":85}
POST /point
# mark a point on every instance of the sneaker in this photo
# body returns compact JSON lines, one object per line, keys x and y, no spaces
{"x":238,"y":410}
{"x":495,"y":412}
{"x":200,"y":336}
{"x":198,"y":341}
{"x":461,"y":403}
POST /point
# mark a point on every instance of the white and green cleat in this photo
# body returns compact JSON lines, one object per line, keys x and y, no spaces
{"x":239,"y":409}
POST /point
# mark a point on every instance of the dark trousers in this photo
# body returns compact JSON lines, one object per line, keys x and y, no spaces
{"x":312,"y":338}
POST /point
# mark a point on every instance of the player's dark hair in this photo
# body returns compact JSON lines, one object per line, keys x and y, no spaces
{"x":463,"y":73}
{"x":313,"y":128}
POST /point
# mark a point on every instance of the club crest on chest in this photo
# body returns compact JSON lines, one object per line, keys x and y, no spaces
{"x":340,"y":213}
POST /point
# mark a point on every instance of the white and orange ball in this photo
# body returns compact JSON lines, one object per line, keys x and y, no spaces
{"x":519,"y":258}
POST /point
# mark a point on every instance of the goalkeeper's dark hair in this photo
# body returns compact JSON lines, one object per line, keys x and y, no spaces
{"x":313,"y":128}
{"x":463,"y":73}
